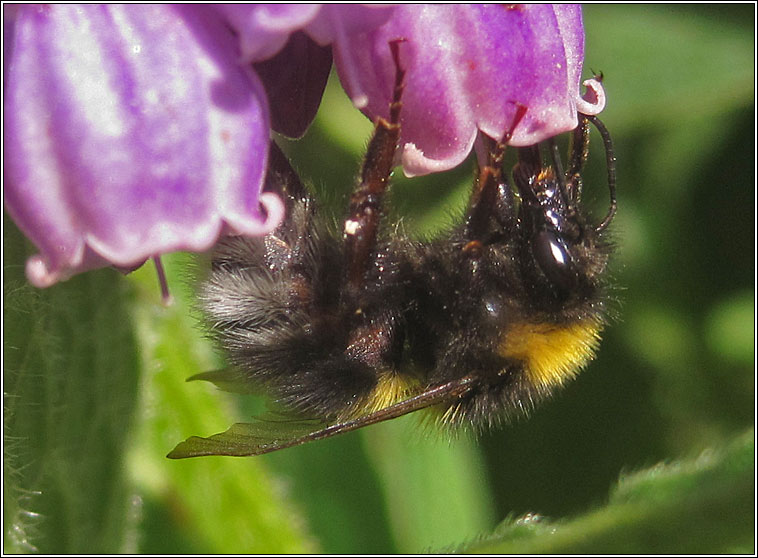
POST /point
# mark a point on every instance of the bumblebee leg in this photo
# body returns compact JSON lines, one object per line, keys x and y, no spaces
{"x":492,"y":192}
{"x":610,"y":161}
{"x":366,"y":202}
{"x":310,"y":319}
{"x":578,"y":153}
{"x":373,"y":301}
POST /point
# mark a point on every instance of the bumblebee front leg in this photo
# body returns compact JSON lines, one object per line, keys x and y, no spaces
{"x":578,"y":153}
{"x":492,"y":193}
{"x":362,"y":223}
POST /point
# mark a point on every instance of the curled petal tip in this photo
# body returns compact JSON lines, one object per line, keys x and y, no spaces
{"x":416,"y":163}
{"x":274,"y":207}
{"x":413,"y":160}
{"x":360,"y":101}
{"x":272,"y":212}
{"x":39,"y":274}
{"x":593,"y":100}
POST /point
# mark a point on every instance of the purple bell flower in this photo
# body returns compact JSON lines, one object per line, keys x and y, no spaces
{"x":130,"y":132}
{"x":468,"y":67}
{"x":137,"y":130}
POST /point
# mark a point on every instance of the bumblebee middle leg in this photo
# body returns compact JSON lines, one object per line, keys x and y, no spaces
{"x":362,"y":223}
{"x":315,"y":319}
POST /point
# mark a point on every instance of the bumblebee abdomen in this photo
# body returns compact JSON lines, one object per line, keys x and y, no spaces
{"x":277,"y":305}
{"x":551,"y":354}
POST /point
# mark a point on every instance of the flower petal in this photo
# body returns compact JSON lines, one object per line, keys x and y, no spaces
{"x":468,"y":68}
{"x":130,"y":132}
{"x":264,"y":29}
{"x":336,"y":21}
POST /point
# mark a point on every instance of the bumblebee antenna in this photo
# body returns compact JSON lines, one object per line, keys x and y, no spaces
{"x":610,"y":159}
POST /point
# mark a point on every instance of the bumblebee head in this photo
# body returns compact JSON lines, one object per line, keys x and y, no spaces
{"x":563,"y":254}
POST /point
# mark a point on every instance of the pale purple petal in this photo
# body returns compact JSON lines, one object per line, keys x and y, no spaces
{"x":130,"y":131}
{"x":264,"y":29}
{"x":469,"y":67}
{"x":9,"y":20}
{"x":336,"y":21}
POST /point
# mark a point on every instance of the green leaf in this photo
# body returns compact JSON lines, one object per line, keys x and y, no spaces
{"x":704,"y":505}
{"x":730,"y":329}
{"x":214,"y":505}
{"x":437,"y":489}
{"x":70,"y":382}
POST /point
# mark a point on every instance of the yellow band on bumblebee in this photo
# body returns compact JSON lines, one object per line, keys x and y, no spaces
{"x":551,"y":353}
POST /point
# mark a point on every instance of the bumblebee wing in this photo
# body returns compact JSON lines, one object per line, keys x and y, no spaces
{"x":275,"y":433}
{"x":228,"y":379}
{"x":249,"y":438}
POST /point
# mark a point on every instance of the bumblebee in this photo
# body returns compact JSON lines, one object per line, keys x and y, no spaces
{"x":348,"y":328}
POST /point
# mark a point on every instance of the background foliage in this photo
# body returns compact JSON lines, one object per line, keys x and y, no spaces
{"x":650,"y":450}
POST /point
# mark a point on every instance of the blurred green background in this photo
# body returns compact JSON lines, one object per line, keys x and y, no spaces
{"x":651,"y":449}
